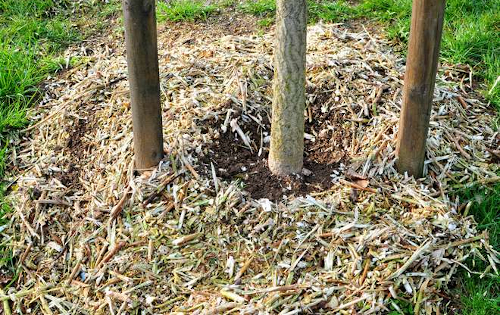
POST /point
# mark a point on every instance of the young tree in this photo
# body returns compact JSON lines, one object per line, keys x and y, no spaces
{"x":143,"y":76}
{"x":421,"y":67}
{"x":287,"y":127}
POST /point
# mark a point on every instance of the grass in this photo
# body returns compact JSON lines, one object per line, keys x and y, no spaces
{"x":262,"y":8}
{"x":184,"y":10}
{"x":480,"y":296}
{"x":32,"y":35}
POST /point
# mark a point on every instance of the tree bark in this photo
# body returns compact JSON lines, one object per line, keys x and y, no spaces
{"x":287,"y":127}
{"x":143,"y":75}
{"x":421,"y":67}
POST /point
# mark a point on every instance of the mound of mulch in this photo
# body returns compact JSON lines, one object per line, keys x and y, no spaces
{"x":90,"y":236}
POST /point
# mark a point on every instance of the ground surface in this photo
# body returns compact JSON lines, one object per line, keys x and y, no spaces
{"x":94,"y":237}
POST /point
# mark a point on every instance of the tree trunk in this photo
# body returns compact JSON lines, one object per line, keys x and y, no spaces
{"x":421,"y":67}
{"x":289,"y":98}
{"x":143,"y":75}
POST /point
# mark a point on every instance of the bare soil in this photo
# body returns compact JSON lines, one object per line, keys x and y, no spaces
{"x":322,"y":156}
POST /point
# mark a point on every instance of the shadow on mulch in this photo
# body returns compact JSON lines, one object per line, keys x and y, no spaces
{"x":322,"y":156}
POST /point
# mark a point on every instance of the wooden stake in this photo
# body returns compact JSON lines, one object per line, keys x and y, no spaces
{"x":143,"y":74}
{"x":421,"y":67}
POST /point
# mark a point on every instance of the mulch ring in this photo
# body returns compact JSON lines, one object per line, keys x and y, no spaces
{"x":178,"y":239}
{"x":324,"y":151}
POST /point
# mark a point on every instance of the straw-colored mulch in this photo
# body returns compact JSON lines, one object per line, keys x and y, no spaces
{"x":92,"y":237}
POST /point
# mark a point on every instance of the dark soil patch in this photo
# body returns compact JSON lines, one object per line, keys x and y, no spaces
{"x":76,"y":148}
{"x":233,"y":160}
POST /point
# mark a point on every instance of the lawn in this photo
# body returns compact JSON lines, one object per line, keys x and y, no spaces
{"x":33,"y":34}
{"x":480,"y":295}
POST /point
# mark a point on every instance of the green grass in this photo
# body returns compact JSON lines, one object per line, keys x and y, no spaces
{"x":262,"y":8}
{"x":317,"y":9}
{"x":480,"y":296}
{"x":32,"y":35}
{"x":338,"y":11}
{"x":184,"y":10}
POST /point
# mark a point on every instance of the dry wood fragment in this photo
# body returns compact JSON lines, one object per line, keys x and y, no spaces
{"x":365,"y":271}
{"x":223,"y":308}
{"x":115,"y":212}
{"x":243,"y":269}
{"x":354,"y":185}
{"x":462,"y":102}
{"x":25,"y":253}
{"x":232,"y":296}
{"x":74,"y":272}
{"x":185,"y":239}
{"x":161,"y":187}
{"x":191,"y":169}
{"x":422,"y":249}
{"x":111,"y":253}
{"x":118,"y":296}
{"x":5,"y":303}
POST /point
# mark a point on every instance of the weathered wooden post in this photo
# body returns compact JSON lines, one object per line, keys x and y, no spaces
{"x":142,"y":60}
{"x":421,"y":67}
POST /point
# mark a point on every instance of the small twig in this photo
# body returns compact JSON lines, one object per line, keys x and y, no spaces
{"x":191,"y":169}
{"x":101,"y":254}
{"x":365,"y":271}
{"x":223,"y":308}
{"x":465,"y":241}
{"x":458,"y":146}
{"x":243,"y":269}
{"x":25,"y":254}
{"x":494,"y":152}
{"x":73,"y":272}
{"x":119,"y":206}
{"x":353,"y":302}
{"x":23,"y":219}
{"x":377,"y":99}
{"x":161,"y":187}
{"x":291,"y":287}
{"x":184,"y":239}
{"x":5,"y":303}
{"x":343,"y":181}
{"x":150,"y":250}
{"x":462,"y":102}
{"x":232,"y":296}
{"x":111,"y":253}
{"x":410,"y":260}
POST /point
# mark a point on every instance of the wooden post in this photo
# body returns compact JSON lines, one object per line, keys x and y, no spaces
{"x":143,"y":75}
{"x":421,"y":67}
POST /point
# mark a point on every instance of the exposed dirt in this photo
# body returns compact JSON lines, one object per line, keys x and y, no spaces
{"x":233,"y":160}
{"x":227,"y":22}
{"x":76,"y":147}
